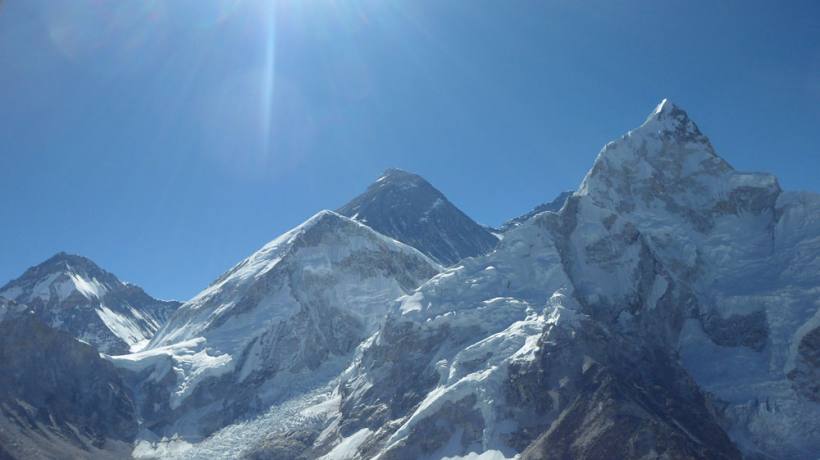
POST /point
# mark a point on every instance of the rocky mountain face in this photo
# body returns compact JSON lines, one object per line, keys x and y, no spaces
{"x":58,"y":397}
{"x":669,"y":308}
{"x":275,"y":323}
{"x":72,"y":294}
{"x":406,"y":207}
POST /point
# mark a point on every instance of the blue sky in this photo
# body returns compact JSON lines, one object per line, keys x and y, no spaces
{"x":167,"y":140}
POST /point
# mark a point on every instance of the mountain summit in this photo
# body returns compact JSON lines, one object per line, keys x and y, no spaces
{"x":71,"y":293}
{"x":290,"y":312}
{"x":406,"y":207}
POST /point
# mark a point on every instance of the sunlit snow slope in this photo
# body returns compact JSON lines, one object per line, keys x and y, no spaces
{"x":294,"y":309}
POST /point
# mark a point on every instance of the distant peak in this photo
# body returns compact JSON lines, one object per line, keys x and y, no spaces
{"x":63,"y":260}
{"x":665,"y":106}
{"x":395,"y":172}
{"x":667,"y":110}
{"x":405,"y":207}
{"x":398,"y":175}
{"x":672,"y":122}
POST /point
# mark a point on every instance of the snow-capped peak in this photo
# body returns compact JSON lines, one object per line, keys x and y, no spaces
{"x":324,"y":243}
{"x":60,"y":277}
{"x":665,"y":106}
{"x":303,"y":301}
{"x":71,"y":293}
{"x":271,"y":254}
{"x":672,"y":123}
{"x":667,"y":163}
{"x":396,"y":175}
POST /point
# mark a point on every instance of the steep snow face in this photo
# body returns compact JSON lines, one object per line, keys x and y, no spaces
{"x":404,"y":206}
{"x":497,"y":356}
{"x":431,"y":383}
{"x":73,"y":294}
{"x":739,"y":255}
{"x":297,"y":307}
{"x":667,"y":169}
{"x":328,"y":256}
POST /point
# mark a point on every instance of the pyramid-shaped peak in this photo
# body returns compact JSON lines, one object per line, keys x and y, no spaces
{"x":667,"y":160}
{"x":395,"y":176}
{"x":63,"y":258}
{"x":669,"y":119}
{"x":394,"y":188}
{"x":666,"y":107}
{"x":667,"y":110}
{"x":322,"y":216}
{"x":69,"y":272}
{"x":321,"y":222}
{"x":396,"y":173}
{"x":405,"y":207}
{"x":66,"y":263}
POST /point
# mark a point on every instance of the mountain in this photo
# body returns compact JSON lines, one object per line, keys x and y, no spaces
{"x":71,"y":293}
{"x":669,"y":309}
{"x":274,"y":324}
{"x":58,"y":397}
{"x":553,"y":206}
{"x":407,"y":208}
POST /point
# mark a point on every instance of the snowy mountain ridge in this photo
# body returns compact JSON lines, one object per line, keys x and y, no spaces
{"x":298,"y":306}
{"x":669,"y":308}
{"x":73,"y":294}
{"x":665,"y":252}
{"x":554,"y":206}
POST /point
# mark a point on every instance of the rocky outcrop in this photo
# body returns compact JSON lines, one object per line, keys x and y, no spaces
{"x":58,"y":398}
{"x":608,"y":398}
{"x":806,"y":374}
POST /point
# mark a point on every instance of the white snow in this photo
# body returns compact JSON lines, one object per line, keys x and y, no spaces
{"x":330,"y":262}
{"x":122,"y":326}
{"x":346,"y":450}
{"x":192,"y":362}
{"x":460,"y":379}
{"x":91,"y":289}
